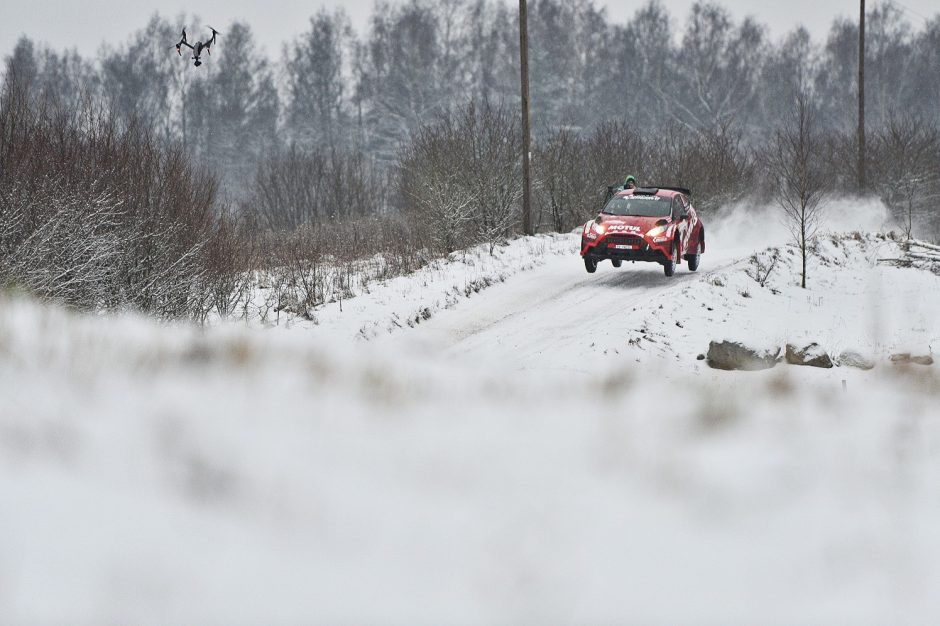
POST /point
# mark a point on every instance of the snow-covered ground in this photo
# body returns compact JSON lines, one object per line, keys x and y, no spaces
{"x":382,"y":307}
{"x":548,"y":314}
{"x":562,"y":319}
{"x":546,"y":448}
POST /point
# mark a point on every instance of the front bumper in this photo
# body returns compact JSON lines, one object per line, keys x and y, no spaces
{"x":612,"y":247}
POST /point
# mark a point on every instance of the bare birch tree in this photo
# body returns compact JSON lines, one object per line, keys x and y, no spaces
{"x":796,"y":166}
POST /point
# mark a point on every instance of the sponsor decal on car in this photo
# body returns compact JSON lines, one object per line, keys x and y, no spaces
{"x":623,"y":227}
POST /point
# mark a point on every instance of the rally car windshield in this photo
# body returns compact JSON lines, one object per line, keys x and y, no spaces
{"x":638,"y":206}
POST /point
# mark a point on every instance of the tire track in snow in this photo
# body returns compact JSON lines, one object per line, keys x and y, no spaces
{"x":551,"y":315}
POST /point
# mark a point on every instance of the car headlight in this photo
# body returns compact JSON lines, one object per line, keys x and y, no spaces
{"x":656,"y":232}
{"x":600,"y":229}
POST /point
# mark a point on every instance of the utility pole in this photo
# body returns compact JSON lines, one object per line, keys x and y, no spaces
{"x":862,"y":178}
{"x":526,"y":140}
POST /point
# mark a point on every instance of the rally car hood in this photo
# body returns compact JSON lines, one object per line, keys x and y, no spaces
{"x":630,"y":224}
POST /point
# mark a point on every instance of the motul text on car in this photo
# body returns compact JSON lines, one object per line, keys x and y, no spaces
{"x":657,"y":224}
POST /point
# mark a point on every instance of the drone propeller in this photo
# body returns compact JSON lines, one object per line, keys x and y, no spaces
{"x":211,"y":41}
{"x":181,"y":43}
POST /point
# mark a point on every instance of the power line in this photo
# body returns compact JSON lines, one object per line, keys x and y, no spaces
{"x":906,"y":8}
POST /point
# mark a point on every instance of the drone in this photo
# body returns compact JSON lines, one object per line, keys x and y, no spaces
{"x":198,"y":47}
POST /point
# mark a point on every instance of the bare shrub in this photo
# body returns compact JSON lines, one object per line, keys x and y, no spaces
{"x":301,"y":187}
{"x":713,"y":162}
{"x":762,"y":266}
{"x":906,"y":164}
{"x":573,"y":172}
{"x":434,"y":186}
{"x":461,"y":175}
{"x":299,"y":271}
{"x":98,"y":215}
{"x":567,"y":188}
{"x":71,"y":255}
{"x":230,"y":255}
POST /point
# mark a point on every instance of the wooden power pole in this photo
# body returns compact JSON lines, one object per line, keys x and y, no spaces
{"x":526,"y":139}
{"x":862,"y":178}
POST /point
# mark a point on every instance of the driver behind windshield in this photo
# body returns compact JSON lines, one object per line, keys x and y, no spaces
{"x":638,"y":206}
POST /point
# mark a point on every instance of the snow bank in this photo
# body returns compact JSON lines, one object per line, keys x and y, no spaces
{"x":161,"y":474}
{"x":377,"y":308}
{"x":851,"y":304}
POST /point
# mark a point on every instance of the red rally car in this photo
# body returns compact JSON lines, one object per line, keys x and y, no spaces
{"x":655,"y":224}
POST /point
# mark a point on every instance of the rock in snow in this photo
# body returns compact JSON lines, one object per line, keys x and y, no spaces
{"x":851,"y":358}
{"x":812,"y":355}
{"x":906,"y":358}
{"x":734,"y":355}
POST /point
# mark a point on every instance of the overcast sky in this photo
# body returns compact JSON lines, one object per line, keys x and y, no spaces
{"x":85,"y":23}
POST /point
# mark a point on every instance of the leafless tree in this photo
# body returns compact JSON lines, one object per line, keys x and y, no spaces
{"x":795,"y":163}
{"x":717,"y":69}
{"x":906,"y":168}
{"x":316,"y":107}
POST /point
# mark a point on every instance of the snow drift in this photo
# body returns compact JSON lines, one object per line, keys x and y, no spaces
{"x":155,"y":474}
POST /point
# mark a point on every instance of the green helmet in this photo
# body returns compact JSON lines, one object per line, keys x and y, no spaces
{"x":630,"y":179}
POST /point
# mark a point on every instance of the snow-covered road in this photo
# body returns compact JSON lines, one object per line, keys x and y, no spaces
{"x":554,"y":317}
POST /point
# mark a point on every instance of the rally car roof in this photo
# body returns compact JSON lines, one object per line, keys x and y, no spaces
{"x":666,"y":192}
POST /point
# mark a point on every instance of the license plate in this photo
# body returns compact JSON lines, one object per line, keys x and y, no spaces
{"x":622,"y":246}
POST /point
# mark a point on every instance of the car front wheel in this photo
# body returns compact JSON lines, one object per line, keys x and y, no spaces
{"x":669,"y":267}
{"x":590,"y":264}
{"x":695,"y":259}
{"x":617,"y":262}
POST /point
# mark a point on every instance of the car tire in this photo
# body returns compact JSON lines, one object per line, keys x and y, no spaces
{"x":669,"y":267}
{"x":695,"y":259}
{"x":590,"y":264}
{"x":617,"y":262}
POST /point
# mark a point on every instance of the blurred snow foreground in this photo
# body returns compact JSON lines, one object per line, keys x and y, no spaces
{"x":154,"y":474}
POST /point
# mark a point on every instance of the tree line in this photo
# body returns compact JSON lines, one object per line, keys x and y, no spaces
{"x":333,"y":90}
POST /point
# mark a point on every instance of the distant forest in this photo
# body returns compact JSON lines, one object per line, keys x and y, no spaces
{"x":333,"y":91}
